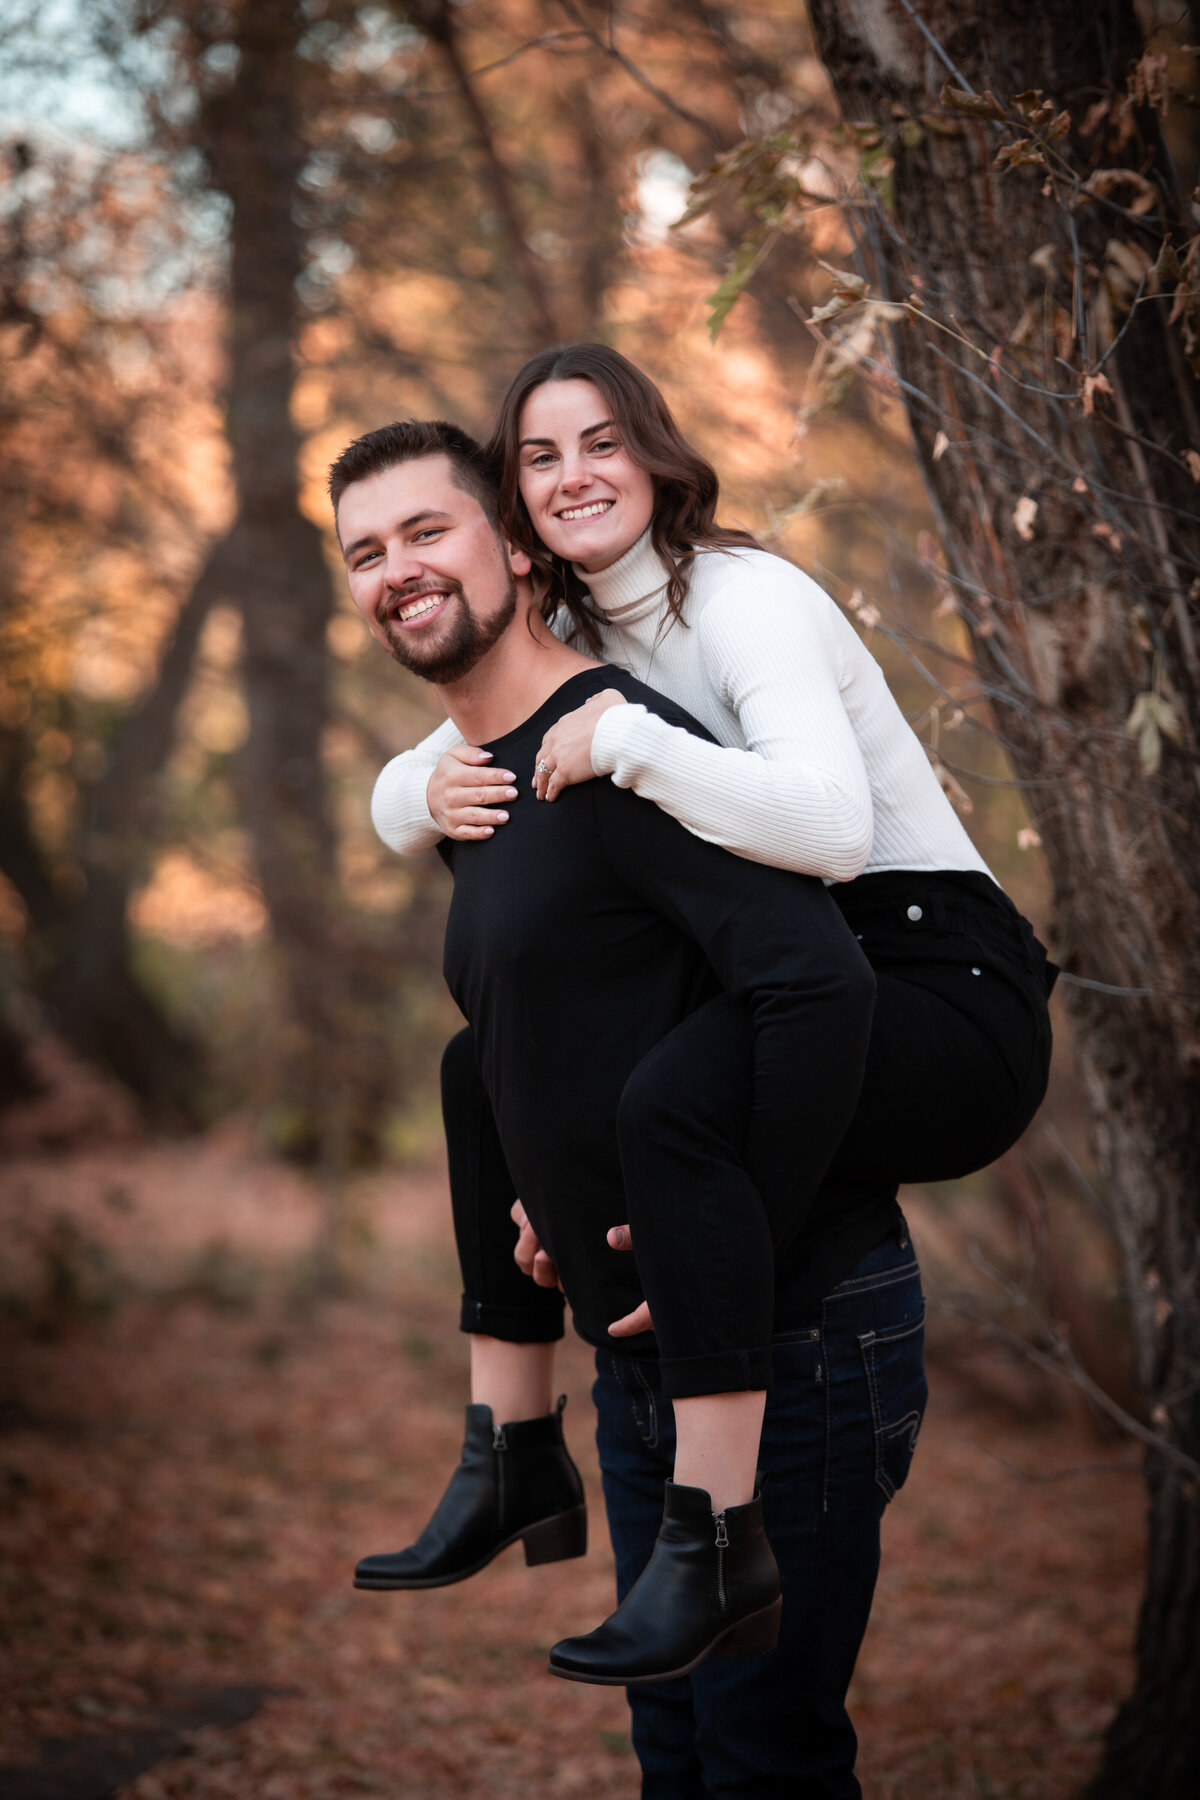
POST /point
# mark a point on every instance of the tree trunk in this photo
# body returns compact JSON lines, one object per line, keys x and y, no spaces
{"x":81,"y":957}
{"x":1075,"y":547}
{"x":274,"y":557}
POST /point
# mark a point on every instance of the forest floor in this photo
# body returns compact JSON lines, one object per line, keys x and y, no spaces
{"x":195,"y":1449}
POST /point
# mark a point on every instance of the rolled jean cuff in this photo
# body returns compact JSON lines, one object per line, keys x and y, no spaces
{"x":535,"y":1324}
{"x":720,"y":1372}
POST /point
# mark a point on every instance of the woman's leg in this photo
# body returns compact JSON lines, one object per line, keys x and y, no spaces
{"x":957,"y":1064}
{"x":703,"y":1243}
{"x":515,"y":1380}
{"x":500,"y":1305}
{"x":515,"y":1479}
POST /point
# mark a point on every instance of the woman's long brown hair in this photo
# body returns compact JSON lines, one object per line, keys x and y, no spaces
{"x":685,"y":486}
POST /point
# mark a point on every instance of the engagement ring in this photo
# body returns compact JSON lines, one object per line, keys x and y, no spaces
{"x":543,"y":768}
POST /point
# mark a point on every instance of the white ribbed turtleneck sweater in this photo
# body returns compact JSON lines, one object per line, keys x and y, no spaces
{"x":815,"y":767}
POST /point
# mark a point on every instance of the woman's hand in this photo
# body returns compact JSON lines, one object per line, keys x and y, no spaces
{"x":567,"y":746}
{"x":462,"y":790}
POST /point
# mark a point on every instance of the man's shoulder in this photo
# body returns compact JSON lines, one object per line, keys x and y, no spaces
{"x":638,"y":694}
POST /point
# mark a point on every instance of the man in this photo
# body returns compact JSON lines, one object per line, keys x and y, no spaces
{"x":590,"y":933}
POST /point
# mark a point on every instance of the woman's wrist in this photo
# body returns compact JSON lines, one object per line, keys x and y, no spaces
{"x":610,"y":734}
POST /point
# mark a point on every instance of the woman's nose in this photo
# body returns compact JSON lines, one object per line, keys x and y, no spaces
{"x":575,"y":475}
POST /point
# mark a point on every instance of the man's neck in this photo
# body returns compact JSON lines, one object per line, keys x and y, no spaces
{"x":518,"y":674}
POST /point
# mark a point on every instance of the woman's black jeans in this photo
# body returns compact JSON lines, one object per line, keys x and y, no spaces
{"x":957,"y":1066}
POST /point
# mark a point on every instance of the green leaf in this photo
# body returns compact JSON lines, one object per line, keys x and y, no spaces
{"x":722,"y":302}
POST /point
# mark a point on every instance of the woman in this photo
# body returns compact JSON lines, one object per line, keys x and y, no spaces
{"x":814,"y":769}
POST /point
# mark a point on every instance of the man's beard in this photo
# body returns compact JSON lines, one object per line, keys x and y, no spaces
{"x":456,"y":651}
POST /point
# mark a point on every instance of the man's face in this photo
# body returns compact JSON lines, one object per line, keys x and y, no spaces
{"x":427,"y":570}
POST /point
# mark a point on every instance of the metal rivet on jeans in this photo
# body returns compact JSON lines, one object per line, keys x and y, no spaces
{"x":915,"y":913}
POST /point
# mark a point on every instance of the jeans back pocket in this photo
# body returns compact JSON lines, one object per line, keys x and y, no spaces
{"x":894,"y":1365}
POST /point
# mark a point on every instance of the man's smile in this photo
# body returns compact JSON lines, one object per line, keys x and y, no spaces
{"x":419,"y":607}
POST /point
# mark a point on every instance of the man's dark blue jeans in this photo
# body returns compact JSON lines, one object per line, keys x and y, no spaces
{"x":843,"y":1410}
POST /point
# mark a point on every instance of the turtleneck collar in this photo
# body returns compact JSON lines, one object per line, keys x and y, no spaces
{"x":632,"y":587}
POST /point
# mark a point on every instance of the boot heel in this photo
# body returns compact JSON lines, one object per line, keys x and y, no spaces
{"x":754,"y":1636}
{"x":557,"y":1539}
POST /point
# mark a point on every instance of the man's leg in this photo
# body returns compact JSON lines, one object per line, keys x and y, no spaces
{"x":843,"y":1411}
{"x":635,"y":1435}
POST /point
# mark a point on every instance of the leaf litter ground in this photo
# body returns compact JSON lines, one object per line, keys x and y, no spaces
{"x":194,"y":1453}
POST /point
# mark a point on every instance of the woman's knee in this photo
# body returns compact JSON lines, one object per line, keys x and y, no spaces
{"x":462,"y":1087}
{"x":675,"y":1094}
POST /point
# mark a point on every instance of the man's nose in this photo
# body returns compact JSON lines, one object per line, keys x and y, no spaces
{"x":402,"y":564}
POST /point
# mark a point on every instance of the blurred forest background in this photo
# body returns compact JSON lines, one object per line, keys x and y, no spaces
{"x":233,"y":236}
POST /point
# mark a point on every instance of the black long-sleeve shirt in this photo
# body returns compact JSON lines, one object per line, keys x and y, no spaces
{"x":579,"y":936}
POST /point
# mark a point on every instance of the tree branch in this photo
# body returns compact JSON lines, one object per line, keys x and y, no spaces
{"x":439,"y":23}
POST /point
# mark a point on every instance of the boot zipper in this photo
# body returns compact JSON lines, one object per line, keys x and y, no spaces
{"x":499,"y":1443}
{"x":722,"y":1546}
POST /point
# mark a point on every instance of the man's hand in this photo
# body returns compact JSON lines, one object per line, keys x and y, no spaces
{"x":529,"y":1256}
{"x":567,"y":746}
{"x":639,"y":1319}
{"x":462,"y":791}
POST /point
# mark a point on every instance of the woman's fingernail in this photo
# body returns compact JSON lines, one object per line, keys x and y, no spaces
{"x":502,"y":818}
{"x":510,"y":793}
{"x":507,"y":775}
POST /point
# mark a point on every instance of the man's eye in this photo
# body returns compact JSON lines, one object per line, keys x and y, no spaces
{"x":430,"y":531}
{"x":367,"y":557}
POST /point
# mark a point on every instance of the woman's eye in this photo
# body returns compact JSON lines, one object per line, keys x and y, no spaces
{"x":603,"y":446}
{"x":542,"y":460}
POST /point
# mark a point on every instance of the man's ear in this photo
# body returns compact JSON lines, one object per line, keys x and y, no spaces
{"x":518,"y":560}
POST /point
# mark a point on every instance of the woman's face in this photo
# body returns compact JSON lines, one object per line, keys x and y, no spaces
{"x":587,"y":498}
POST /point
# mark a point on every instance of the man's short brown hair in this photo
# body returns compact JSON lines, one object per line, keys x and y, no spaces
{"x":405,"y":440}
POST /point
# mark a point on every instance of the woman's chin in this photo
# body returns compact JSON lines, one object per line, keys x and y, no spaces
{"x":597,"y":553}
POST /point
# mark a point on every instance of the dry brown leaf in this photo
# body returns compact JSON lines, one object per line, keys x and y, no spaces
{"x":975,"y":106}
{"x":1089,"y":387}
{"x":1024,"y":514}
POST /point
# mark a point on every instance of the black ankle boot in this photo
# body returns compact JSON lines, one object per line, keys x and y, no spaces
{"x":514,"y":1481}
{"x":711,"y":1585}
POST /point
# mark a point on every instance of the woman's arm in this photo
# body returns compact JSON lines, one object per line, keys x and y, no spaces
{"x":439,"y":789}
{"x":773,"y":647}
